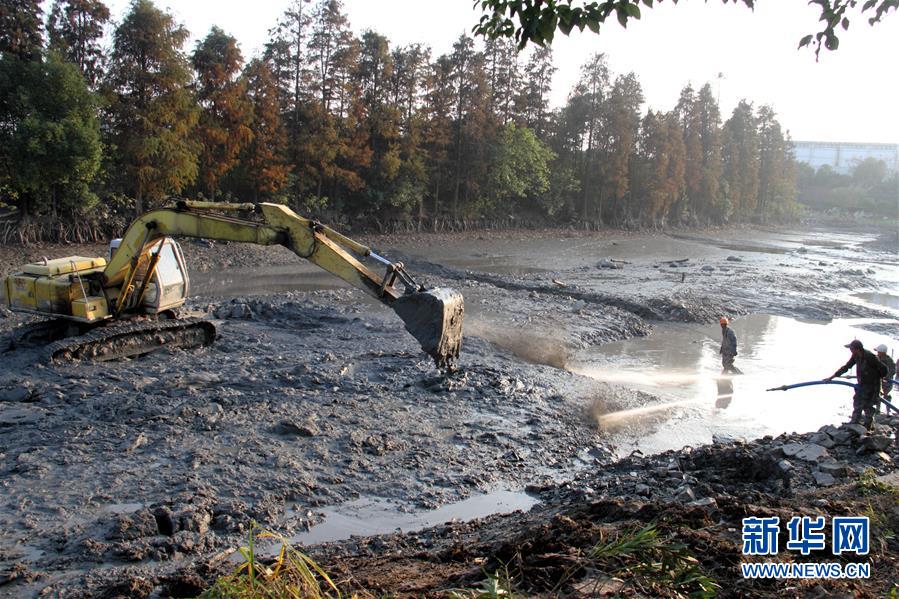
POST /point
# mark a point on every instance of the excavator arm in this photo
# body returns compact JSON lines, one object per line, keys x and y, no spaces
{"x":433,"y":317}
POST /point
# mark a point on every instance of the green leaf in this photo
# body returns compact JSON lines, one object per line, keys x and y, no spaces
{"x":805,"y":41}
{"x":622,"y":17}
{"x":845,"y":23}
{"x":632,"y":10}
{"x":593,"y":24}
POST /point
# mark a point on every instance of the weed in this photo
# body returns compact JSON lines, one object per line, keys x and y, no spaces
{"x":868,"y":484}
{"x":496,"y":586}
{"x":652,"y":562}
{"x":292,"y":575}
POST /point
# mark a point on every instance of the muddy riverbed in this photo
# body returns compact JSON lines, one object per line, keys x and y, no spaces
{"x":316,"y":414}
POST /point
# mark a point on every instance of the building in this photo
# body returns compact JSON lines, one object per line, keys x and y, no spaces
{"x":843,"y":156}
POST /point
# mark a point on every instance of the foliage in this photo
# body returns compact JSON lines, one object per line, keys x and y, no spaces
{"x":50,"y":148}
{"x":520,"y":167}
{"x":496,"y":586}
{"x":357,"y":127}
{"x":536,"y":21}
{"x":20,"y":28}
{"x":223,"y":129}
{"x":152,"y":114}
{"x":653,"y":563}
{"x":867,"y":484}
{"x":75,"y":30}
{"x":292,"y":574}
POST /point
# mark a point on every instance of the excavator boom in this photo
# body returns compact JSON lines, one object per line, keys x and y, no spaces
{"x":433,"y":317}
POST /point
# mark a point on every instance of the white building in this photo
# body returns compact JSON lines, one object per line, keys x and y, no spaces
{"x":843,"y":156}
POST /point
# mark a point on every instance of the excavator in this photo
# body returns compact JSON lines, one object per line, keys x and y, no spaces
{"x":127,"y":304}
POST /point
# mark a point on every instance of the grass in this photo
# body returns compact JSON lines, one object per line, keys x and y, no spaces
{"x":292,"y":575}
{"x":641,"y":558}
{"x":652,"y":563}
{"x":868,"y":484}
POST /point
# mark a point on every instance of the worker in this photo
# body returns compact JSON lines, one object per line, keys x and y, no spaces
{"x":887,"y":382}
{"x":728,"y":348}
{"x":868,"y":373}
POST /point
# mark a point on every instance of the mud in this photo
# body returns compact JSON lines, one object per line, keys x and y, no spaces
{"x":136,"y":477}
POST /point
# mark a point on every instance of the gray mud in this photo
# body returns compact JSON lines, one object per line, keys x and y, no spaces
{"x":316,"y":398}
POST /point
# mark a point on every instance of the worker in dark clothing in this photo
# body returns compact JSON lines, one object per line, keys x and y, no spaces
{"x":868,"y":373}
{"x":728,"y":348}
{"x":887,"y":383}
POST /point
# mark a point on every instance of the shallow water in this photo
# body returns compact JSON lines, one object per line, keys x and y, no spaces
{"x":681,"y":366}
{"x":374,"y":516}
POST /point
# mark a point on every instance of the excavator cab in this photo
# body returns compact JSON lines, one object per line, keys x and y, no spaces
{"x":169,"y":282}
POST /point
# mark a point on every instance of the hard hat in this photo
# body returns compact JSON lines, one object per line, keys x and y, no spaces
{"x":723,"y":320}
{"x":881,"y":348}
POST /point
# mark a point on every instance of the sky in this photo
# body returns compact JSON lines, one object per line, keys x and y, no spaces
{"x":850,"y":95}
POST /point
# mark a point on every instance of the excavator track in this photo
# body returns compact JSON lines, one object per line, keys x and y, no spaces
{"x":132,"y":339}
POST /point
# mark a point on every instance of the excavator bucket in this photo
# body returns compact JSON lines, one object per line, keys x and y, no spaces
{"x":434,"y":317}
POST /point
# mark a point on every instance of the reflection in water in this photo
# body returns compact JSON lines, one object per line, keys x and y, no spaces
{"x":680,"y":365}
{"x":725,"y":392}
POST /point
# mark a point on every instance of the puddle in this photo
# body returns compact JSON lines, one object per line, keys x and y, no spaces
{"x":374,"y":516}
{"x":681,"y":366}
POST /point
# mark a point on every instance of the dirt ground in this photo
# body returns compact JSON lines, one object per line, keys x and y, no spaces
{"x":134,"y":478}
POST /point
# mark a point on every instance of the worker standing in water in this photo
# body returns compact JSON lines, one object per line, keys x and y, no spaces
{"x":868,"y":374}
{"x":728,"y":348}
{"x":887,"y":383}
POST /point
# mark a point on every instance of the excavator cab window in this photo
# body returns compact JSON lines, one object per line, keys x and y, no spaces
{"x":169,"y":288}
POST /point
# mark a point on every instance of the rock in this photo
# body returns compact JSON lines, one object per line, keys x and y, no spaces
{"x":875,"y":442}
{"x":734,"y":259}
{"x":707,"y":268}
{"x":685,"y":494}
{"x":19,"y":393}
{"x":784,"y":466}
{"x":823,"y":479}
{"x":607,"y":263}
{"x":833,"y":468}
{"x":644,"y":490}
{"x":857,"y":429}
{"x":809,"y":452}
{"x":821,"y":439}
{"x":4,"y":313}
{"x":704,"y":502}
{"x":842,"y":437}
{"x":884,"y":457}
{"x":286,"y":427}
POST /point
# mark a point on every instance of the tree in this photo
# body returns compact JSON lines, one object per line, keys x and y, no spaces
{"x":536,"y":21}
{"x":622,"y":127}
{"x":690,"y":125}
{"x":330,"y":35}
{"x":223,"y":128}
{"x":262,"y":162}
{"x":740,"y":159}
{"x":75,"y":29}
{"x":533,"y":98}
{"x":20,"y":28}
{"x":152,"y":113}
{"x":711,"y":204}
{"x":586,"y":102}
{"x":520,"y":168}
{"x":50,"y":138}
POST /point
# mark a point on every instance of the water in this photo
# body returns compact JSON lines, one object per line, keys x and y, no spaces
{"x":680,"y":365}
{"x":374,"y":516}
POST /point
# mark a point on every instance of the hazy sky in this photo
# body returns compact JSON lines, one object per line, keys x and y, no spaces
{"x":849,"y":95}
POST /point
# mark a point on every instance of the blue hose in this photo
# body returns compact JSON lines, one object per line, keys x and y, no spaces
{"x":846,"y":383}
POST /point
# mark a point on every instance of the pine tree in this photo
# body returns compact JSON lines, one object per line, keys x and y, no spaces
{"x":623,"y":123}
{"x":152,"y":113}
{"x":20,"y":28}
{"x":223,"y":129}
{"x":262,"y":162}
{"x":75,"y":30}
{"x":533,"y":98}
{"x":740,"y":159}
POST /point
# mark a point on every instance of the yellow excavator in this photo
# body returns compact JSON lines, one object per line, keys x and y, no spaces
{"x":127,"y":305}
